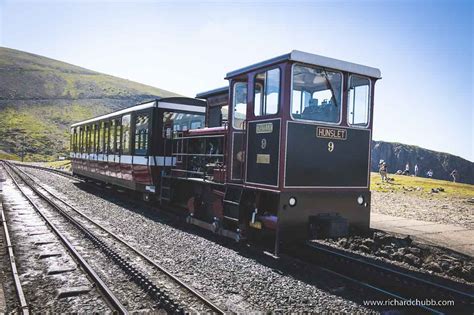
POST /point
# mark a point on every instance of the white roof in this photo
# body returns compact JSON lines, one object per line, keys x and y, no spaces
{"x":117,"y":113}
{"x":326,"y":62}
{"x":156,"y":103}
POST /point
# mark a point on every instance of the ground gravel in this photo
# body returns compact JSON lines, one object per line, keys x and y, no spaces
{"x":233,"y":281}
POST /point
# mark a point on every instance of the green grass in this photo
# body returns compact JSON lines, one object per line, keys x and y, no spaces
{"x":64,"y":165}
{"x":420,"y":186}
{"x":8,"y":156}
{"x":42,"y":132}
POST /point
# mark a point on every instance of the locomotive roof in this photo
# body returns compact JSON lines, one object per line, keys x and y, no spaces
{"x":206,"y":94}
{"x":303,"y":57}
{"x":176,"y":103}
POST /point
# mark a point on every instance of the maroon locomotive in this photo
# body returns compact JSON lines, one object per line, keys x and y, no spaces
{"x":283,"y":151}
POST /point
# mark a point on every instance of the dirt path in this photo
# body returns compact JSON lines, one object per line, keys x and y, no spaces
{"x":438,"y":208}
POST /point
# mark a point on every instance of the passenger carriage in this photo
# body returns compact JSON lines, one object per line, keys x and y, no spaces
{"x":125,"y":148}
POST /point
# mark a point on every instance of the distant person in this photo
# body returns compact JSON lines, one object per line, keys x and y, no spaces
{"x":407,"y":169}
{"x":454,"y":175}
{"x":416,"y":170}
{"x":429,"y":173}
{"x":383,"y":170}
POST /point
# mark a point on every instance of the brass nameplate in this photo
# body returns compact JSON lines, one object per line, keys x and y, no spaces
{"x":263,"y":158}
{"x":331,"y":133}
{"x":265,"y":128}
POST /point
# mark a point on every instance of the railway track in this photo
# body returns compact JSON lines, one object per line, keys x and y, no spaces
{"x":106,"y":292}
{"x":157,"y":289}
{"x":394,"y":282}
{"x":386,"y":281}
{"x":23,"y":305}
{"x":49,"y":169}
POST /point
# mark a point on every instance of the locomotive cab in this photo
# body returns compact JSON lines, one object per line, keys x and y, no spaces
{"x":298,"y":150}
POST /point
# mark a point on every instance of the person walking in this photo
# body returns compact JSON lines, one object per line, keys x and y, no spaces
{"x":429,"y":173}
{"x":416,"y":170}
{"x":454,"y":175}
{"x":383,"y":170}
{"x":407,"y":169}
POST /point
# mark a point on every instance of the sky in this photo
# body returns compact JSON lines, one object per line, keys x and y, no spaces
{"x":424,"y":50}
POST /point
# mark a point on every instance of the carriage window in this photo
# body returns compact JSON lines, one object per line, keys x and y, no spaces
{"x":126,"y":134}
{"x":95,"y":132}
{"x":77,"y":139}
{"x":100,"y":137}
{"x":118,"y":134}
{"x":240,"y":105}
{"x":316,"y":94}
{"x":88,"y":139}
{"x":82,"y":136}
{"x":111,"y":141}
{"x":71,"y":142}
{"x":358,"y":102}
{"x":141,"y":134}
{"x":267,"y":92}
{"x":182,"y":121}
{"x":105,"y":137}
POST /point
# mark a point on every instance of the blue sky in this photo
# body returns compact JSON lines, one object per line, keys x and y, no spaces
{"x":423,"y":48}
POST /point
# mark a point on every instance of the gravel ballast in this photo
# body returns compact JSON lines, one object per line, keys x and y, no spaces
{"x":405,"y":253}
{"x":231,"y":280}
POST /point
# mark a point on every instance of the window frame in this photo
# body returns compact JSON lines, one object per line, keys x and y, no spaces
{"x":118,"y":136}
{"x":369,"y":99}
{"x":111,"y":140}
{"x":263,"y":90}
{"x":105,"y":136}
{"x":148,"y":114}
{"x":338,"y":123}
{"x":129,"y":143}
{"x":234,"y":85}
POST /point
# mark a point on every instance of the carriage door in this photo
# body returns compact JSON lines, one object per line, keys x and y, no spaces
{"x":239,"y":115}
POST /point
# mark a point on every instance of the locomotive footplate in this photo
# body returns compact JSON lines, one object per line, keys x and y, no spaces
{"x":215,"y":228}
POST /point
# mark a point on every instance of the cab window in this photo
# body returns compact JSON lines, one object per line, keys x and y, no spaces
{"x":316,"y":94}
{"x":267,"y":92}
{"x":359,"y":101}
{"x":240,"y":105}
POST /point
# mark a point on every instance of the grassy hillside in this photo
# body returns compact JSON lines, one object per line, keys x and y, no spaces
{"x":421,"y":186}
{"x":40,"y":97}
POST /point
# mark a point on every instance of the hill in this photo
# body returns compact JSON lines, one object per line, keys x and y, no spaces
{"x":397,"y":155}
{"x":40,"y":97}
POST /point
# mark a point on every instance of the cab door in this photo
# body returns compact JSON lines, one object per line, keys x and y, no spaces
{"x":237,"y":131}
{"x":264,"y":130}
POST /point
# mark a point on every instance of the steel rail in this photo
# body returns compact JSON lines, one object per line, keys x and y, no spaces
{"x":352,"y":264}
{"x":168,"y":273}
{"x":52,"y":170}
{"x":16,"y":278}
{"x":109,"y":295}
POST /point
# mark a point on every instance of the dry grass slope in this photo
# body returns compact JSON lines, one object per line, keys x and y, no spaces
{"x":421,"y":186}
{"x":40,"y":97}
